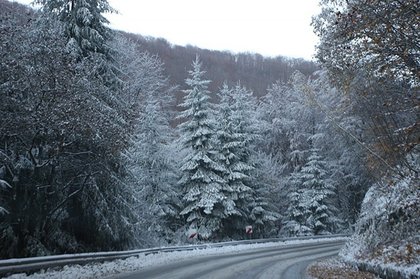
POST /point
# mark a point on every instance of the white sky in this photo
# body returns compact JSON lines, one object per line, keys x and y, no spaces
{"x":268,"y":27}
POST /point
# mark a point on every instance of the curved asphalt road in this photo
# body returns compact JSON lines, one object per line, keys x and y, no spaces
{"x":288,"y":262}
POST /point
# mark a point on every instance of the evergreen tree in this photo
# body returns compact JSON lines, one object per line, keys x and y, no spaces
{"x":246,"y":188}
{"x":201,"y":180}
{"x":244,"y":132}
{"x":317,"y":195}
{"x":230,"y":145}
{"x":241,"y":165}
{"x":264,"y":212}
{"x":85,"y":24}
{"x":248,"y":165}
{"x":294,"y":221}
{"x":152,"y":174}
{"x":88,"y":35}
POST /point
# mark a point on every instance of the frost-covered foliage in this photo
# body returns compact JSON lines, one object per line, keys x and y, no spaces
{"x":201,"y":181}
{"x":88,"y":36}
{"x":143,"y":78}
{"x":62,"y":136}
{"x":222,"y":181}
{"x":3,"y":187}
{"x":245,"y":188}
{"x":85,"y":25}
{"x":150,"y":156}
{"x":381,"y":36}
{"x":233,"y":146}
{"x":88,"y":159}
{"x":311,"y":209}
{"x":290,"y":120}
{"x":318,"y":193}
{"x":298,"y":118}
{"x":152,"y":175}
{"x":264,"y":210}
{"x":236,"y":172}
{"x":371,"y":50}
{"x":387,"y":230}
{"x":294,"y":221}
{"x":246,"y":133}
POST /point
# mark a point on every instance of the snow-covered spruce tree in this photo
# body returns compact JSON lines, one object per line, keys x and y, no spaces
{"x":244,"y":131}
{"x":264,"y":210}
{"x":283,"y":140}
{"x":152,"y":174}
{"x":242,"y":139}
{"x":235,"y":188}
{"x":294,"y":221}
{"x":337,"y":144}
{"x":87,"y":34}
{"x":201,"y":181}
{"x":85,"y":25}
{"x":318,"y":191}
{"x":246,"y":188}
{"x":245,"y":166}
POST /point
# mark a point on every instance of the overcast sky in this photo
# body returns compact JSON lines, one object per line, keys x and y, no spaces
{"x":268,"y":27}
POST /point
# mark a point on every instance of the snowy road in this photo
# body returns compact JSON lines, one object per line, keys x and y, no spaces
{"x":272,"y":262}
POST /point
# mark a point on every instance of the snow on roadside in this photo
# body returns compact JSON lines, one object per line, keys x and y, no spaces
{"x":389,"y":261}
{"x":100,"y":270}
{"x":386,"y":240}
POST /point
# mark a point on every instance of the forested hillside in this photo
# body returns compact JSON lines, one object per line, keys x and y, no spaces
{"x":91,"y":158}
{"x":253,"y":70}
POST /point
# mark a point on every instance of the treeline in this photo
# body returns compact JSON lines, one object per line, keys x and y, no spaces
{"x":253,"y":70}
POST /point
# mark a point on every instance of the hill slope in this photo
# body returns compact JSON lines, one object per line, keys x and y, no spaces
{"x":252,"y":70}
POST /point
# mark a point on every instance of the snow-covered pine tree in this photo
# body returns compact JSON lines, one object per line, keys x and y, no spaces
{"x":284,"y":138}
{"x":294,"y":221}
{"x":318,"y":190}
{"x":246,"y":167}
{"x":152,"y":173}
{"x":85,"y":25}
{"x":235,"y":188}
{"x":241,"y":166}
{"x":87,"y":34}
{"x":311,"y":208}
{"x":201,"y":180}
{"x":264,"y":212}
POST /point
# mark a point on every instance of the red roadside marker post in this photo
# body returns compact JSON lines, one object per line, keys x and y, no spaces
{"x":248,"y":231}
{"x":192,"y":234}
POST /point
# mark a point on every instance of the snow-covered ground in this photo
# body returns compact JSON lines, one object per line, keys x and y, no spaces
{"x":108,"y":269}
{"x":387,"y":239}
{"x":403,"y":261}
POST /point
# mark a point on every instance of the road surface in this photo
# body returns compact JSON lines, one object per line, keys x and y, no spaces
{"x":288,"y":262}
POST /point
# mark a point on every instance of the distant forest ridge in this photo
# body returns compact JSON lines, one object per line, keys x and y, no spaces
{"x":252,"y":70}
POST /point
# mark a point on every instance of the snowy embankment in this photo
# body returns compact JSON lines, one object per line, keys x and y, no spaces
{"x":387,"y":239}
{"x":143,"y":260}
{"x":388,"y":261}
